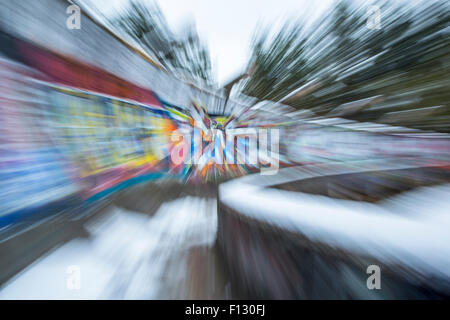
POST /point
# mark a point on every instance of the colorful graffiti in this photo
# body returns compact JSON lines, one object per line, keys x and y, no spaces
{"x":72,"y":132}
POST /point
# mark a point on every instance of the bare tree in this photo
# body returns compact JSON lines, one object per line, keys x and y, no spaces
{"x":186,"y":56}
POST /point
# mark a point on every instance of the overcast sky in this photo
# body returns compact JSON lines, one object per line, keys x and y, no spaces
{"x":227,"y":25}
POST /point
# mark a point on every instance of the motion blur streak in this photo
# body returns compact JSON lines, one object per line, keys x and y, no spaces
{"x":127,"y":173}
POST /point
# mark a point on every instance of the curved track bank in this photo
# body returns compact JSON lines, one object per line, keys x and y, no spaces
{"x":311,"y":232}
